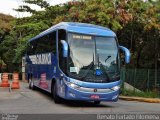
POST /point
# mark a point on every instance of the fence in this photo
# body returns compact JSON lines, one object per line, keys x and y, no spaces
{"x":145,"y":80}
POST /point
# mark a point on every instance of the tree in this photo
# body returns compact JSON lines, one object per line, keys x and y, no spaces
{"x":137,"y":24}
{"x":5,"y":25}
{"x":26,"y":8}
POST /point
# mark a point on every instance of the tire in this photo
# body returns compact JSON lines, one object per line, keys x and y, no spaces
{"x":97,"y":102}
{"x":31,"y":84}
{"x":56,"y":98}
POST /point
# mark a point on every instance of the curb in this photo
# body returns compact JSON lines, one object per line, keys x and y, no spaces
{"x":140,"y":99}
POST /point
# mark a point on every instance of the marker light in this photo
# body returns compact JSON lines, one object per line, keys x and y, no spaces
{"x":115,"y":88}
{"x":114,"y":97}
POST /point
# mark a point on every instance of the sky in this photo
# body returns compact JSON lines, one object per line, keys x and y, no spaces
{"x":6,"y":6}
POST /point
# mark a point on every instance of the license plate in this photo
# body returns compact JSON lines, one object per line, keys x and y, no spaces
{"x":94,"y":96}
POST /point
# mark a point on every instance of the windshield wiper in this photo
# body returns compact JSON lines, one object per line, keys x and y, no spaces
{"x":107,"y":58}
{"x":97,"y":68}
{"x":105,"y":71}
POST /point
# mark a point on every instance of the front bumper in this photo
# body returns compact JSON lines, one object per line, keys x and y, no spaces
{"x":74,"y":94}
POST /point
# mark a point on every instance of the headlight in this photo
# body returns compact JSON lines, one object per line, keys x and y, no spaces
{"x":115,"y":88}
{"x":72,"y":85}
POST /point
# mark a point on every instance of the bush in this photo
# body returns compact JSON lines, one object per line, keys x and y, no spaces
{"x":147,"y":94}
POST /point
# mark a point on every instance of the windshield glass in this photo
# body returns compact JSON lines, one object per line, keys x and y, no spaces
{"x":93,"y":59}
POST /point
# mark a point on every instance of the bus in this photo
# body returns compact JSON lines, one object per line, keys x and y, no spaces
{"x":76,"y":61}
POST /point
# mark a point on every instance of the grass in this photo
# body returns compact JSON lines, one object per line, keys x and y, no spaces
{"x":148,"y":94}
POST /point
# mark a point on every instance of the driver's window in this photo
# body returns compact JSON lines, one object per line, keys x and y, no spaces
{"x":62,"y":60}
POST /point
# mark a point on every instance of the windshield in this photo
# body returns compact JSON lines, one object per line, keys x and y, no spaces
{"x":92,"y":58}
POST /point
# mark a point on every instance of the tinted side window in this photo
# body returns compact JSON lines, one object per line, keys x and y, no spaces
{"x":44,"y":44}
{"x":31,"y":47}
{"x":53,"y":38}
{"x":62,"y":60}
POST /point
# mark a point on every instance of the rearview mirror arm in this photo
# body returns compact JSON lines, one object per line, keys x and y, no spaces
{"x":127,"y":53}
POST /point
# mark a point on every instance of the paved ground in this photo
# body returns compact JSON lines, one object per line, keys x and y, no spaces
{"x":25,"y":101}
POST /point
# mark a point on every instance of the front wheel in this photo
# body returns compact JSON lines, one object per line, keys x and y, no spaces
{"x":56,"y":98}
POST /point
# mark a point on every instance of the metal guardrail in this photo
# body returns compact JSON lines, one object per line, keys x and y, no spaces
{"x":143,"y":79}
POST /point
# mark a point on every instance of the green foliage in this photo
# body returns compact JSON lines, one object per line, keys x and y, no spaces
{"x":25,"y":8}
{"x":5,"y":25}
{"x":41,"y":3}
{"x":146,"y":94}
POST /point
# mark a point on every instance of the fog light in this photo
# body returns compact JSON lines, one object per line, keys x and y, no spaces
{"x":114,"y":97}
{"x":72,"y":94}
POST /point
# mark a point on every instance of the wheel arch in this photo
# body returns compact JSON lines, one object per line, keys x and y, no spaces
{"x":53,"y":82}
{"x":29,"y":75}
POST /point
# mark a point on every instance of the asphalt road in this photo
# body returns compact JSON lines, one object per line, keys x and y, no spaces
{"x":26,"y":101}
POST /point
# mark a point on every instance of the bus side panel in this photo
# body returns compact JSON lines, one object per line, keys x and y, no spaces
{"x":42,"y":70}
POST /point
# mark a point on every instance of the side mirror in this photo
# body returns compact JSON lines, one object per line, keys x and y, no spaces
{"x":127,"y":53}
{"x":65,"y":48}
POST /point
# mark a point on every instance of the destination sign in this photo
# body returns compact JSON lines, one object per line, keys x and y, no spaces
{"x":82,"y":37}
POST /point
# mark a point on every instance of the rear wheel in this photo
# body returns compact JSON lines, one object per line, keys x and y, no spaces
{"x":97,"y":102}
{"x":56,"y":98}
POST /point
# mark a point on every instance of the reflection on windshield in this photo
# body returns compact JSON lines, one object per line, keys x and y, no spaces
{"x":93,"y":59}
{"x":107,"y":52}
{"x":81,"y":52}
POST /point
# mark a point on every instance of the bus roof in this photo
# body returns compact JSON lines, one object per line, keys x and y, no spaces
{"x":82,"y":28}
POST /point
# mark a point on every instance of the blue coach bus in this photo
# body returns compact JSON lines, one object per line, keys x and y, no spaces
{"x":76,"y":61}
